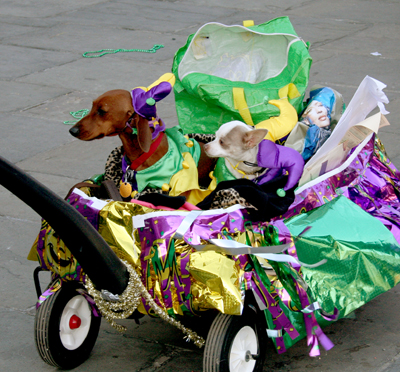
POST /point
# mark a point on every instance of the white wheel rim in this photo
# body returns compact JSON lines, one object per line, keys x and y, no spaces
{"x":244,"y":341}
{"x":73,"y":338}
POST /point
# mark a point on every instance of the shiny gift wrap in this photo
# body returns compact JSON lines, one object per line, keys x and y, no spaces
{"x":116,"y":228}
{"x":355,"y":218}
{"x":52,"y":254}
{"x":370,"y":180}
{"x":50,"y":251}
{"x":181,"y":278}
{"x":363,"y":257}
{"x":354,"y":215}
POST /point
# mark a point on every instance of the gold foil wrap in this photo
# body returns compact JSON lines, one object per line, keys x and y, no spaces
{"x":214,"y":277}
{"x":115,"y":226}
{"x":215,"y":283}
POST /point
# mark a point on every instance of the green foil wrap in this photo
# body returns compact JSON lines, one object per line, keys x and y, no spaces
{"x":363,"y":257}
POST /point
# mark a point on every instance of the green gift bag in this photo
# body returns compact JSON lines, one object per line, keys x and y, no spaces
{"x":251,"y":74}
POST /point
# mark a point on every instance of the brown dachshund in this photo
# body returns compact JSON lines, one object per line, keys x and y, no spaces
{"x":113,"y":114}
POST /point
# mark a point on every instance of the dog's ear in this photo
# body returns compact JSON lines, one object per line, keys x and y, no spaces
{"x":254,"y":137}
{"x":143,"y":133}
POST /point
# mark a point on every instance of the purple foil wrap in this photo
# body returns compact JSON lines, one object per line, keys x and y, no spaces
{"x":156,"y":239}
{"x":49,"y":245}
{"x":323,"y":192}
{"x":269,"y":297}
{"x":86,"y":207}
{"x":313,"y":330}
{"x":206,"y":227}
{"x":371,"y":181}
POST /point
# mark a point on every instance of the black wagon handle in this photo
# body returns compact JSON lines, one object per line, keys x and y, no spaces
{"x":95,"y":256}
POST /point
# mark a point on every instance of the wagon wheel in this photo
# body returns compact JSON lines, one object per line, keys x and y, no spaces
{"x":65,"y":328}
{"x":236,"y":343}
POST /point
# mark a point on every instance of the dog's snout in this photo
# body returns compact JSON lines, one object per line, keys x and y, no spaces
{"x":209,"y":150}
{"x":74,"y":131}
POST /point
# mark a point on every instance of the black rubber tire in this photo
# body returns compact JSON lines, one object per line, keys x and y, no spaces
{"x":222,"y":333}
{"x":47,"y":331}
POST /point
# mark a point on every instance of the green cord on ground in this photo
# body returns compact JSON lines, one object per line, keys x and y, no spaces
{"x":99,"y":53}
{"x":102,"y":52}
{"x":77,"y":115}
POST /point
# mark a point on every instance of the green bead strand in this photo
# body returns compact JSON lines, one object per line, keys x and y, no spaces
{"x":77,"y":115}
{"x":102,"y":52}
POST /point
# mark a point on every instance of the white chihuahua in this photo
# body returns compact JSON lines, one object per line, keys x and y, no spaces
{"x":238,"y":144}
{"x":248,"y":156}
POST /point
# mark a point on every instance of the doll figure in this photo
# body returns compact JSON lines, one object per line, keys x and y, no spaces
{"x":317,"y":116}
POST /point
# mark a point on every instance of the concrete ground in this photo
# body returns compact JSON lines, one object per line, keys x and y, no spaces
{"x":43,"y":77}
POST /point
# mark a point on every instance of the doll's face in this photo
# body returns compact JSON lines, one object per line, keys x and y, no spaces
{"x":317,"y":114}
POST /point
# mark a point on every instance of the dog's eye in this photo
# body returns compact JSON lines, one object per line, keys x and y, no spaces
{"x":221,"y":142}
{"x":101,"y":112}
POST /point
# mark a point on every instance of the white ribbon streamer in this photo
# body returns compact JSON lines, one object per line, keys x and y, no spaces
{"x":186,"y":223}
{"x":274,"y":333}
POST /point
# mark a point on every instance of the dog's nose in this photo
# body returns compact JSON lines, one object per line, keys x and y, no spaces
{"x":74,"y":131}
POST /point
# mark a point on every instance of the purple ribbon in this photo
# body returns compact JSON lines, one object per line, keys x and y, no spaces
{"x":49,"y":292}
{"x":280,"y":320}
{"x":91,"y":302}
{"x":313,"y":329}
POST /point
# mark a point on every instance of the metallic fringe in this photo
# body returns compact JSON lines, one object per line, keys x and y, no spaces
{"x":126,"y":303}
